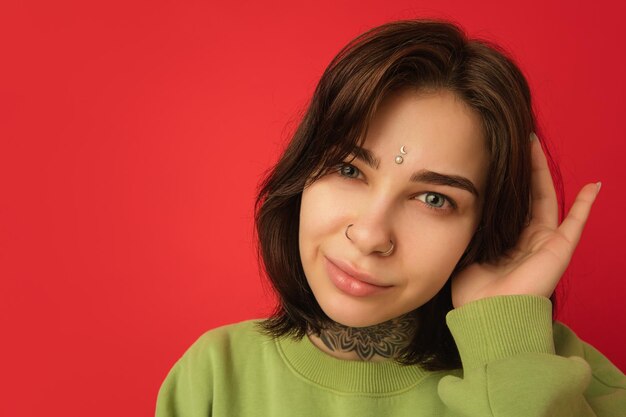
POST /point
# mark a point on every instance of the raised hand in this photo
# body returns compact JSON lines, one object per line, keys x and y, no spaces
{"x":537,"y":262}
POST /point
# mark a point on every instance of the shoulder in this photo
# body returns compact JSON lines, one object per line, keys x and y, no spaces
{"x":227,"y":343}
{"x":227,"y":334}
{"x":216,"y":360}
{"x":234,"y":337}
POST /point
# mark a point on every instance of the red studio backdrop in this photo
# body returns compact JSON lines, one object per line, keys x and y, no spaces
{"x":133,"y":136}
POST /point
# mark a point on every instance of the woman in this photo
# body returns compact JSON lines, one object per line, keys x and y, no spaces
{"x":411,"y":232}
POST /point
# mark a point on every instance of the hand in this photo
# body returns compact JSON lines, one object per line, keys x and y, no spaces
{"x":543,"y":251}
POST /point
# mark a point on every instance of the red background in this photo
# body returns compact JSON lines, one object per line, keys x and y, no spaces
{"x":132,"y":139}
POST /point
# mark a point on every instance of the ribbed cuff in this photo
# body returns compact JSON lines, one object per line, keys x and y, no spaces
{"x":498,"y":327}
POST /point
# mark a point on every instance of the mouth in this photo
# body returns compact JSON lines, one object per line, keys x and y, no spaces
{"x":352,"y":282}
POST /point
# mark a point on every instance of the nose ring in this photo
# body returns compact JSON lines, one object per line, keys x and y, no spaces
{"x":390,"y":250}
{"x":386,"y":253}
{"x":349,"y":226}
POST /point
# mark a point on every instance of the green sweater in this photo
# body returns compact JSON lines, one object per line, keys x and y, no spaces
{"x":516,"y":362}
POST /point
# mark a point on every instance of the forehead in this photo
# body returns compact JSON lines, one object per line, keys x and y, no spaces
{"x":439,"y":131}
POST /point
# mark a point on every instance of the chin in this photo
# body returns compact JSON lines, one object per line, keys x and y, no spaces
{"x":358,"y":322}
{"x":355,"y":318}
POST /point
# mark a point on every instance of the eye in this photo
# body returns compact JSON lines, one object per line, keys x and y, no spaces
{"x":436,"y":201}
{"x":348,"y":170}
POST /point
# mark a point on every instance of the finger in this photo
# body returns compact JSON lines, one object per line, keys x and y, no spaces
{"x":544,"y":205}
{"x":572,"y":226}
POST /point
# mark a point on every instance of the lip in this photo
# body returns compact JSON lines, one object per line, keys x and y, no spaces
{"x":351,"y":281}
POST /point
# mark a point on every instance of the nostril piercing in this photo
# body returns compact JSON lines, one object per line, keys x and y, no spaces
{"x":346,"y":233}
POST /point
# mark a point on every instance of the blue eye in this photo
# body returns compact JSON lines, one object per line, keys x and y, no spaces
{"x":347,"y":170}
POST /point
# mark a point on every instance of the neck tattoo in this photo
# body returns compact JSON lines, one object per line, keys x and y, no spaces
{"x":385,"y":339}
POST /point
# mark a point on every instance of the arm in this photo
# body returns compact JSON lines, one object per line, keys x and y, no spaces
{"x":502,"y":318}
{"x":510,"y":367}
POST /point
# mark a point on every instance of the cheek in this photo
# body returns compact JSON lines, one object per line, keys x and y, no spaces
{"x":321,"y":210}
{"x":434,"y":246}
{"x":311,"y":213}
{"x":320,"y":214}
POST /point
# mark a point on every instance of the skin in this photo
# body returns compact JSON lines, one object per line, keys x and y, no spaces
{"x":373,"y":343}
{"x":438,"y":131}
{"x":429,"y":224}
{"x":543,"y":251}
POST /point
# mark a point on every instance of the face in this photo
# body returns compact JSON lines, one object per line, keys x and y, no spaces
{"x":427,"y":207}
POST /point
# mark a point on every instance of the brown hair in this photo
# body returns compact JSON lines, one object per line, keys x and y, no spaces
{"x":416,"y":54}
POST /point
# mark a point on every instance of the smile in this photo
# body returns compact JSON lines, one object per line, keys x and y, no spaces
{"x":350,"y":284}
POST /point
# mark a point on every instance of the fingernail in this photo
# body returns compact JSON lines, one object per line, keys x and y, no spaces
{"x":599,"y":185}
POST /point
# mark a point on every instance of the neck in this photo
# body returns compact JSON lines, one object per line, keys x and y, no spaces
{"x":380,"y":342}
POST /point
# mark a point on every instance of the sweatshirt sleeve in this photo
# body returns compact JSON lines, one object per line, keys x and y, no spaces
{"x":511,"y":369}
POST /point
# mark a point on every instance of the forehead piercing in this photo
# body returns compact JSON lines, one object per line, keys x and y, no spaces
{"x":388,"y":252}
{"x":399,"y":158}
{"x":349,"y":226}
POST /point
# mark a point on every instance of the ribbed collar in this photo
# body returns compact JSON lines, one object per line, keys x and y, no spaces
{"x":347,"y":376}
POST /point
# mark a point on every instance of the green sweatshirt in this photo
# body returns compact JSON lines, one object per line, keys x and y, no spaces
{"x":516,"y":362}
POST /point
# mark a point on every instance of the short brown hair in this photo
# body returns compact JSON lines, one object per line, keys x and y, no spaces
{"x":417,"y":54}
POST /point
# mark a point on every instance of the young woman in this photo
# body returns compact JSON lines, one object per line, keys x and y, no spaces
{"x":411,"y":232}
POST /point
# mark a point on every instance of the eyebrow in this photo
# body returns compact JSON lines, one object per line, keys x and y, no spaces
{"x":432,"y":177}
{"x":423,"y":175}
{"x":366,"y":156}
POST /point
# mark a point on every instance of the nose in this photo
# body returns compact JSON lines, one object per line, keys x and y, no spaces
{"x":371,"y":234}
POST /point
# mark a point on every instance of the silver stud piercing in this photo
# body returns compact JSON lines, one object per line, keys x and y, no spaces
{"x":399,"y":158}
{"x":389,"y":251}
{"x":350,"y":225}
